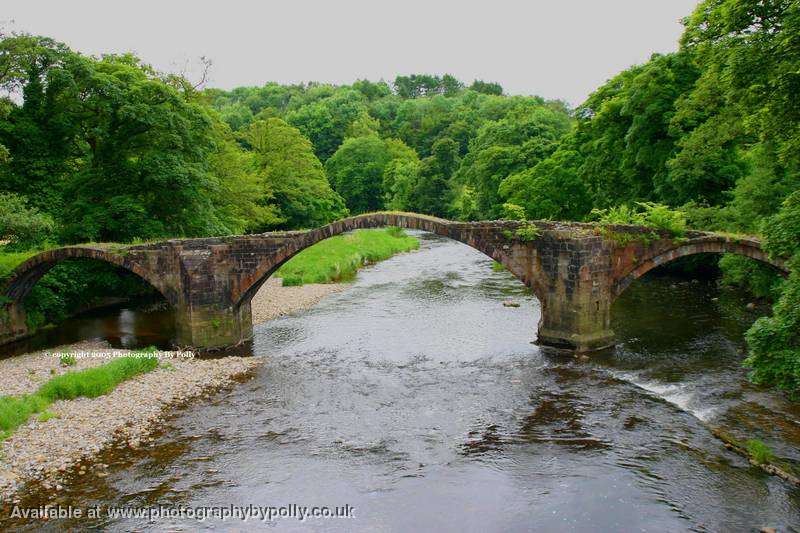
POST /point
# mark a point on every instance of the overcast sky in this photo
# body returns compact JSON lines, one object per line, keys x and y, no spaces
{"x":554,"y":48}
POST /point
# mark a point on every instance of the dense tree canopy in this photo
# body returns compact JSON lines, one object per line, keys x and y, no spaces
{"x":292,"y":177}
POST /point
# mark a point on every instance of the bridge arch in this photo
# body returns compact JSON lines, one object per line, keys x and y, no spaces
{"x":702,"y":245}
{"x":464,"y":233}
{"x":28,"y":273}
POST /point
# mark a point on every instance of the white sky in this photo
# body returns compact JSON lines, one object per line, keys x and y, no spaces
{"x":553,"y":48}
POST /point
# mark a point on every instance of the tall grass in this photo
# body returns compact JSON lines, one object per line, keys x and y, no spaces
{"x":339,"y":258}
{"x":760,"y":452}
{"x":89,"y":383}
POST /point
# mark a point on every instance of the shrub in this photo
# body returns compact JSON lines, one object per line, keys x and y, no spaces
{"x":775,"y":341}
{"x":647,"y":214}
{"x":24,"y":227}
{"x":514,"y":212}
{"x":527,"y":230}
{"x":760,"y":279}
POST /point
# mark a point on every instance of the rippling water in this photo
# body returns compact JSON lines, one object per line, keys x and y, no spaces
{"x":418,"y":399}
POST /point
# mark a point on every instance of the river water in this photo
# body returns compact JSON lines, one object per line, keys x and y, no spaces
{"x":418,"y":399}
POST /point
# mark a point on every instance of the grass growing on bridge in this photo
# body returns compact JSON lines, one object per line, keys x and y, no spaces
{"x":339,"y":258}
{"x":11,"y":260}
{"x":89,"y":383}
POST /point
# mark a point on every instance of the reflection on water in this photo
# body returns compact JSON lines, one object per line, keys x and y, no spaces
{"x":138,"y":324}
{"x":417,"y":397}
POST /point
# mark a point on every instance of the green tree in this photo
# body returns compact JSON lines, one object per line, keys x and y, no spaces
{"x":243,"y":201}
{"x":480,"y":86}
{"x":553,"y":189}
{"x":144,"y":143}
{"x":22,"y":226}
{"x":293,"y":179}
{"x":325,"y":121}
{"x":743,"y":111}
{"x":775,"y":341}
{"x":432,"y":193}
{"x":399,"y":183}
{"x":417,"y":85}
{"x":38,"y":136}
{"x":356,"y":172}
{"x":505,"y":147}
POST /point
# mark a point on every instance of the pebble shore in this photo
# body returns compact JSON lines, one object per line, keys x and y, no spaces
{"x":274,"y":300}
{"x":45,"y":452}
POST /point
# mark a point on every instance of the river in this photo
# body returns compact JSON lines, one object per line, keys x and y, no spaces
{"x":419,"y":400}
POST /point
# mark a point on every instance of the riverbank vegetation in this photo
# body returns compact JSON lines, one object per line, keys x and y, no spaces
{"x":108,"y":149}
{"x":339,"y":258}
{"x":89,"y":383}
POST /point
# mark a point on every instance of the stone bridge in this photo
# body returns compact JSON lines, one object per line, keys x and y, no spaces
{"x":576,"y":271}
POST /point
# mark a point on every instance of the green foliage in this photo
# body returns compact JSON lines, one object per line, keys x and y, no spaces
{"x":759,"y":279}
{"x":760,"y":452}
{"x":356,"y":172}
{"x":783,"y":230}
{"x":76,"y":284}
{"x":47,"y":415}
{"x":432,"y":193}
{"x":498,"y":267}
{"x":89,"y":383}
{"x":552,"y":189}
{"x":22,"y":226}
{"x":115,"y":138}
{"x":465,"y":204}
{"x":325,"y":120}
{"x":514,"y":212}
{"x":527,"y":231}
{"x":243,"y":201}
{"x":145,"y":142}
{"x":505,"y":147}
{"x":484,"y":87}
{"x":338,"y":258}
{"x":344,"y":125}
{"x":417,"y":85}
{"x":293,"y":179}
{"x":10,"y":260}
{"x":96,"y":381}
{"x":67,"y":359}
{"x":775,"y":341}
{"x":400,"y":179}
{"x":647,"y":214}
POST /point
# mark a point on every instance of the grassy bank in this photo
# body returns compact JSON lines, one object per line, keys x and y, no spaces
{"x":339,"y":258}
{"x":89,"y":383}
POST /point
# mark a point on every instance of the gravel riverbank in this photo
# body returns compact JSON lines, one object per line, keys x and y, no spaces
{"x":273,"y":300}
{"x":46,"y":452}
